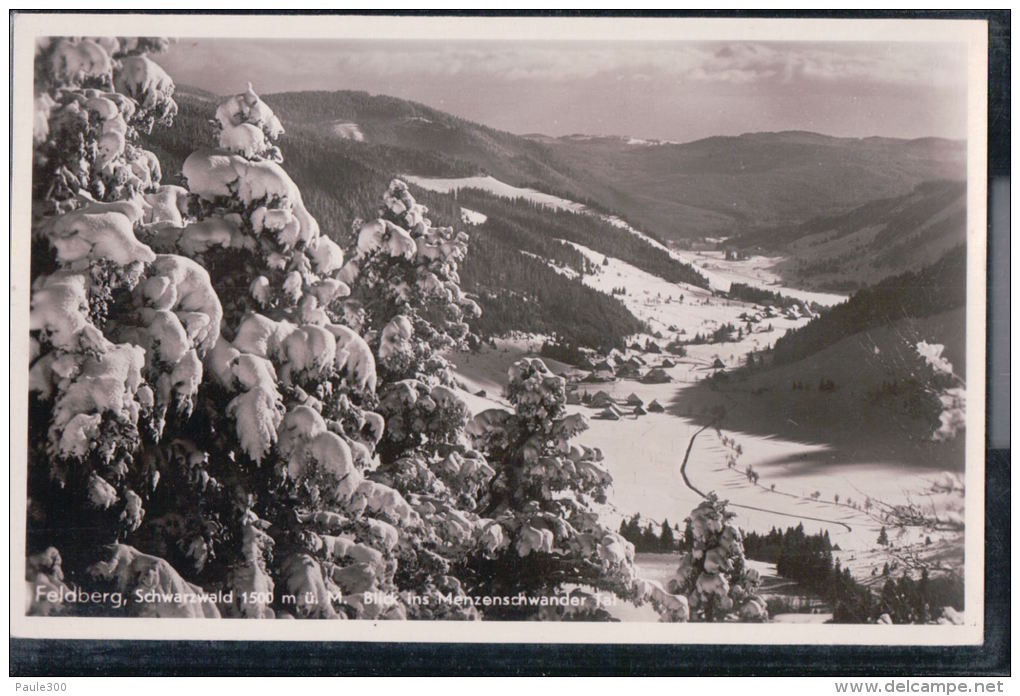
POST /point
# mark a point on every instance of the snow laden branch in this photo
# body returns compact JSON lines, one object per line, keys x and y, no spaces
{"x":96,"y":394}
{"x":948,"y":388}
{"x":93,"y":97}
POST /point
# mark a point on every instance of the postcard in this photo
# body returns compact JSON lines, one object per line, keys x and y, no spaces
{"x":498,"y":329}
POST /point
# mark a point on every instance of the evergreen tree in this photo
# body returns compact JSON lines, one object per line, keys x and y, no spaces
{"x":100,"y":400}
{"x":667,"y":541}
{"x":542,"y":498}
{"x":649,"y":539}
{"x":407,"y":298}
{"x":193,"y":440}
{"x":713,"y":574}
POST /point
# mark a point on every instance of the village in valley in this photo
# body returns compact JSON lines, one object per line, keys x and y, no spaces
{"x":667,"y":446}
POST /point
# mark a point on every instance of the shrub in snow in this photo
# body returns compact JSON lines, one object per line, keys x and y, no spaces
{"x":952,"y":417}
{"x":947,"y":388}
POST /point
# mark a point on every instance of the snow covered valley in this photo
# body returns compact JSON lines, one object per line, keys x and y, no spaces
{"x":644,"y":455}
{"x":824,"y":477}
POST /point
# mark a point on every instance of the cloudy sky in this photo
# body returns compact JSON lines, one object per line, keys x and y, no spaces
{"x":673,"y":91}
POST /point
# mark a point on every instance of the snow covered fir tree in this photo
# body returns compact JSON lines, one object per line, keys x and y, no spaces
{"x":226,"y":404}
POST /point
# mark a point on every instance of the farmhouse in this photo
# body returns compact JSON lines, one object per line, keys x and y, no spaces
{"x":656,"y":376}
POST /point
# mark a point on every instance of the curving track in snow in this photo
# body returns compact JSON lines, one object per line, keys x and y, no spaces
{"x":689,"y":484}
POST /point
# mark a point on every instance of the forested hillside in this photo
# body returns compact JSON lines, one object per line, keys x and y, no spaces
{"x":522,"y":292}
{"x":879,"y":239}
{"x":937,"y":288}
{"x":340,"y":179}
{"x":588,"y":230}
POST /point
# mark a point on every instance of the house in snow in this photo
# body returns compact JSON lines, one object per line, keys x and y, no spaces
{"x":667,"y":363}
{"x":602,"y":374}
{"x":628,"y":371}
{"x":635,"y":400}
{"x":656,"y":376}
{"x":655,"y":407}
{"x":718,"y":364}
{"x":601,"y":400}
{"x":639,"y":411}
{"x":609,"y":413}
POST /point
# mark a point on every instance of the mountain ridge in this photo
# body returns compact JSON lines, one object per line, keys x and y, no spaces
{"x":206,"y":95}
{"x":708,"y":187}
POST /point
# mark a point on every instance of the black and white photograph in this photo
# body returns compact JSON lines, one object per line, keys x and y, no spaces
{"x":509,"y":329}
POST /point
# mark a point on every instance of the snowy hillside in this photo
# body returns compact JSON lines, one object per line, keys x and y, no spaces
{"x":754,"y":271}
{"x":472,"y":217}
{"x":495,"y":187}
{"x":348,"y":131}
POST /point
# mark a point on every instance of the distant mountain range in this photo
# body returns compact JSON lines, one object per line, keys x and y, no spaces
{"x":719,"y":186}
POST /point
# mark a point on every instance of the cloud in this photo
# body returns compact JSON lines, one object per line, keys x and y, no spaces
{"x":642,"y":88}
{"x":733,"y":63}
{"x":372,"y":62}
